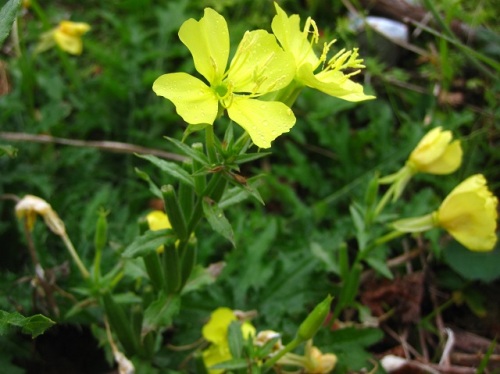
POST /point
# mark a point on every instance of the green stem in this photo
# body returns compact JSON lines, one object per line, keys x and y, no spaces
{"x":74,"y":255}
{"x":288,"y":348}
{"x":210,"y":144}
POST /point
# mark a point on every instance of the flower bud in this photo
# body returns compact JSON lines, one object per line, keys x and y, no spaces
{"x":314,"y":320}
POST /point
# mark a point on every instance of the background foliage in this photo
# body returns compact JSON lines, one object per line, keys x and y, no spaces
{"x":285,"y":255}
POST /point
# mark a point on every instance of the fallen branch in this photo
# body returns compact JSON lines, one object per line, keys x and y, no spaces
{"x":109,"y":146}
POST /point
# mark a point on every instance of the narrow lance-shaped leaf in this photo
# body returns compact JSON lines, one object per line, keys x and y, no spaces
{"x":217,"y":219}
{"x":170,"y":168}
{"x":8,"y":14}
{"x":146,"y":243}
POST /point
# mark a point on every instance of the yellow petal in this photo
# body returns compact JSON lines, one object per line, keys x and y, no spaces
{"x":215,"y":331}
{"x":68,"y":43}
{"x":469,"y":214}
{"x":194,"y":101}
{"x":263,"y":120}
{"x":292,"y":39}
{"x":73,"y":28}
{"x":260,"y":65}
{"x":208,"y":42}
{"x":214,"y":355}
{"x":430,"y":148}
{"x":449,"y":161}
{"x":333,"y":83}
{"x":158,"y":220}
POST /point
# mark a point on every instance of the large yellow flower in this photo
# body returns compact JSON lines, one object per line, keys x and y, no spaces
{"x":468,"y":213}
{"x":67,"y":35}
{"x":259,"y":66}
{"x":436,"y":153}
{"x":330,"y":79}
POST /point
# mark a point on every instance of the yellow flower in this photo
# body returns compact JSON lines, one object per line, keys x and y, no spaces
{"x":215,"y":331}
{"x":67,"y":35}
{"x":436,"y":153}
{"x":330,"y":79}
{"x":259,"y":66}
{"x":158,"y":220}
{"x":319,"y":363}
{"x":313,"y":361}
{"x":469,"y":214}
{"x":28,"y":208}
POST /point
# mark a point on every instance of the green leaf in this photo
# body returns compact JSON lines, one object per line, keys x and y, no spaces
{"x":8,"y":14}
{"x":170,"y":168}
{"x":238,"y":363}
{"x":193,"y":128}
{"x":152,"y":186}
{"x":326,"y":257}
{"x":482,"y":266}
{"x":8,"y":150}
{"x":160,"y":312}
{"x":217,"y":219}
{"x":380,"y":267}
{"x":190,"y":152}
{"x":34,"y":325}
{"x":235,"y":339}
{"x":146,"y":243}
{"x":247,"y":157}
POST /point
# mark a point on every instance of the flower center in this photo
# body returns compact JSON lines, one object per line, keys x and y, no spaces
{"x":221,"y":90}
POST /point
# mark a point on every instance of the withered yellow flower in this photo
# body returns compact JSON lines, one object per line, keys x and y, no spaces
{"x":30,"y":206}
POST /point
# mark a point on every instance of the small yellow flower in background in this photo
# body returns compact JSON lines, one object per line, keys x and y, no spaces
{"x":158,"y":220}
{"x":67,"y":36}
{"x":330,"y":79}
{"x":436,"y":153}
{"x":29,"y":206}
{"x":468,"y":213}
{"x":215,"y":331}
{"x":259,"y":66}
